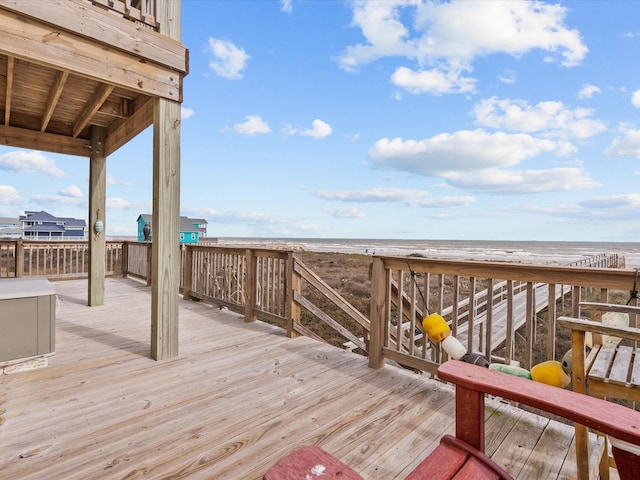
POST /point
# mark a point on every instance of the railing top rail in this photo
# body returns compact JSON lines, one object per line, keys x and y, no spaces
{"x":259,"y":252}
{"x":617,"y":279}
{"x":54,"y":243}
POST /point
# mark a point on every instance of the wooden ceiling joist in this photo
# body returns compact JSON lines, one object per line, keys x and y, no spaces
{"x":9,"y":91}
{"x":92,"y":106}
{"x":56,"y":90}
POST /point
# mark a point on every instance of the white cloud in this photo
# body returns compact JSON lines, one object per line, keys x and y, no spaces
{"x":9,"y":195}
{"x":626,"y":146}
{"x":286,"y":6}
{"x":508,"y":77}
{"x":468,"y":150}
{"x":635,"y":99}
{"x":271,"y":224}
{"x":252,"y":126}
{"x":228,"y":60}
{"x":373,"y":195}
{"x":553,"y":119}
{"x":449,"y":36}
{"x":631,"y":200}
{"x":61,"y":199}
{"x":432,"y":81}
{"x":113,"y":180}
{"x":29,"y":162}
{"x":522,"y":181}
{"x":408,"y":198}
{"x":588,"y":91}
{"x":186,"y":112}
{"x":319,"y":129}
{"x":345,"y":212}
{"x":71,"y":191}
{"x":120,"y":203}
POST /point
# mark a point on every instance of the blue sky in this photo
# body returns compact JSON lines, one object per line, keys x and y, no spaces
{"x":387,"y":119}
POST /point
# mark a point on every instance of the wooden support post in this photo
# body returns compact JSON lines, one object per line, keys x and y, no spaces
{"x":165,"y":264}
{"x":125,"y":259}
{"x":250,"y":286}
{"x":379,"y":283}
{"x":293,"y":286}
{"x":19,"y":259}
{"x":165,"y":248}
{"x":97,"y":215}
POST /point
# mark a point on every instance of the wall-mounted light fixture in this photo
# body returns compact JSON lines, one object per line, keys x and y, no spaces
{"x":99,"y":225}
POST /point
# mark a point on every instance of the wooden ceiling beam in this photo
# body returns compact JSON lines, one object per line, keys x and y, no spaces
{"x":45,"y":142}
{"x":92,"y":106}
{"x":54,"y":96}
{"x":41,"y":43}
{"x":9,"y":91}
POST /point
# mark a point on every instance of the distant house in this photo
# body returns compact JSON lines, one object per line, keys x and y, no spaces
{"x":44,"y":226}
{"x":10,"y":228}
{"x":192,"y":230}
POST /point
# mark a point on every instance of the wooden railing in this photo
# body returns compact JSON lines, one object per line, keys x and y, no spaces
{"x":254,"y":282}
{"x":55,"y":260}
{"x":459,"y":291}
{"x":139,"y":11}
{"x":505,"y":311}
{"x":136,"y":260}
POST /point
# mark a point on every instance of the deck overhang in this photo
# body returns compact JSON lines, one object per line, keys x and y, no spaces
{"x":82,"y":78}
{"x":67,"y":65}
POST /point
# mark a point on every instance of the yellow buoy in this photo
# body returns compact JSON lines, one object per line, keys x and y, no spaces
{"x":436,"y":327}
{"x":551,"y":373}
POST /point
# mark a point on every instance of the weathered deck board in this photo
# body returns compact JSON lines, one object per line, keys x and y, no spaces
{"x":237,"y":398}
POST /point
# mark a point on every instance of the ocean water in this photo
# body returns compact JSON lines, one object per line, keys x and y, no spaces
{"x":533,"y":252}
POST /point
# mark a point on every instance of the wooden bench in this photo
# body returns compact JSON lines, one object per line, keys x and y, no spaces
{"x":610,"y":370}
{"x":463,"y":456}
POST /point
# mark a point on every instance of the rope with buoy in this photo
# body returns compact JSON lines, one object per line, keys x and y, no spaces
{"x":413,"y":279}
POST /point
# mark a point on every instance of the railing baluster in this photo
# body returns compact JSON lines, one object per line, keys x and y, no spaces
{"x":488,"y":340}
{"x":471,"y":315}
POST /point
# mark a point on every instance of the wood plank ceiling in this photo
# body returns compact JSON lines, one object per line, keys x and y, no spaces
{"x":52,"y":105}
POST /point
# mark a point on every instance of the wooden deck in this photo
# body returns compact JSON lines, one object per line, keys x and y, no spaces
{"x":238,"y":397}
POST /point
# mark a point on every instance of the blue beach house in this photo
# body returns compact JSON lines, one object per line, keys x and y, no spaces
{"x":192,"y":230}
{"x":44,"y":226}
